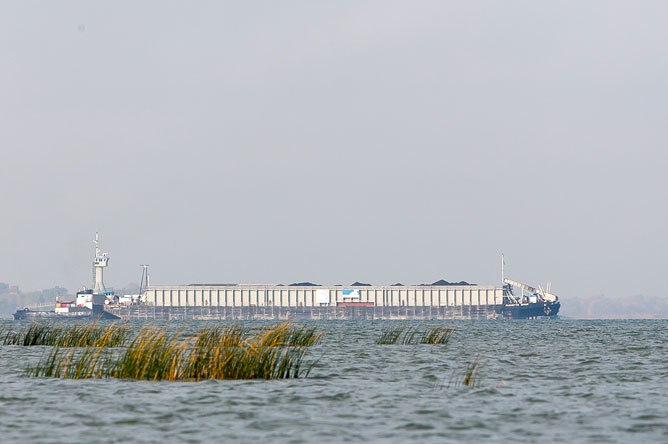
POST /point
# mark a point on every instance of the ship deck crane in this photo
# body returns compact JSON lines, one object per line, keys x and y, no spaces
{"x":544,"y":294}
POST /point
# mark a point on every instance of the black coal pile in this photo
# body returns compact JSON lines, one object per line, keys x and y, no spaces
{"x":443,"y":283}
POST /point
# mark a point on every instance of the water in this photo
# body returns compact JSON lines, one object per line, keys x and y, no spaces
{"x":550,"y":381}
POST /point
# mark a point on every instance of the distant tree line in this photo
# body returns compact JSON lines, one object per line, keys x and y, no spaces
{"x":11,"y":297}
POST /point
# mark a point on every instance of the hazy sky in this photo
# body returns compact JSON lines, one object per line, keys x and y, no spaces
{"x":336,"y":141}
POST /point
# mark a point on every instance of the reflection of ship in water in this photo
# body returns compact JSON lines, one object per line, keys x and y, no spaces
{"x":88,"y":303}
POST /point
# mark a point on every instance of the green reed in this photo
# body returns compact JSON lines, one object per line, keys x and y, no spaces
{"x":84,"y":335}
{"x":437,"y":335}
{"x":471,"y":375}
{"x":414,"y":336}
{"x":286,"y":334}
{"x":214,"y":353}
{"x":390,"y":336}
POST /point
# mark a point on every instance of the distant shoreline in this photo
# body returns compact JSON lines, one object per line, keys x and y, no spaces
{"x":642,"y":316}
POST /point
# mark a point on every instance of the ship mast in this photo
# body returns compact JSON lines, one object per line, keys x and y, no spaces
{"x":101,"y":260}
{"x":144,"y":279}
{"x":503,"y":264}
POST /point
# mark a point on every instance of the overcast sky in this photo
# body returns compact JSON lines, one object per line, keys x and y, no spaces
{"x":381,"y":141}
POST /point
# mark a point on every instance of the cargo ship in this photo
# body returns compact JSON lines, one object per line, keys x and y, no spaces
{"x":305,"y":300}
{"x":439,"y":300}
{"x":88,"y":303}
{"x":294,"y":302}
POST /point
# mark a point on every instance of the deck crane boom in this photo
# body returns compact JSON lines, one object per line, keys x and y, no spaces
{"x":545,"y":295}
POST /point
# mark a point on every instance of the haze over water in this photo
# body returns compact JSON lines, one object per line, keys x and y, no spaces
{"x":549,"y":381}
{"x":333,"y":142}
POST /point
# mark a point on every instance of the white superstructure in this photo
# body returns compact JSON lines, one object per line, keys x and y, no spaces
{"x":99,"y":263}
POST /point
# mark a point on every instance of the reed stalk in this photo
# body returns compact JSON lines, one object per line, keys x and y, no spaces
{"x":389,"y":336}
{"x":413,"y":336}
{"x":471,"y":375}
{"x":437,"y":335}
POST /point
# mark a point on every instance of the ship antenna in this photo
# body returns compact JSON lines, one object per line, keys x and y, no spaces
{"x":503,"y":264}
{"x":97,"y":253}
{"x":144,"y":277}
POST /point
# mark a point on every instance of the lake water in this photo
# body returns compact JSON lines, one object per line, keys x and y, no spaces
{"x":548,"y":380}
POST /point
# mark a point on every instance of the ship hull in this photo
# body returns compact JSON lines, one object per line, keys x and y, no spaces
{"x":88,"y":315}
{"x":531,"y":311}
{"x":148,"y":312}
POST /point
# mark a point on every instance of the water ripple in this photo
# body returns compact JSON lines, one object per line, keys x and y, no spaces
{"x":560,"y":381}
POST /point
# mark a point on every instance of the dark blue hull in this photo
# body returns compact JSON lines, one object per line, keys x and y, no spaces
{"x":530,"y":311}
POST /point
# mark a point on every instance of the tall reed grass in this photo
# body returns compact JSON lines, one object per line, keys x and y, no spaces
{"x":83,"y":335}
{"x":213,"y":353}
{"x":390,"y":336}
{"x":414,"y":336}
{"x":471,"y":375}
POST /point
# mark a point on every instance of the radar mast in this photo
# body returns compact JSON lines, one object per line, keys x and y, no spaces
{"x":101,"y":261}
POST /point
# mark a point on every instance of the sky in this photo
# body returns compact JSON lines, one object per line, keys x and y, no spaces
{"x":333,"y":142}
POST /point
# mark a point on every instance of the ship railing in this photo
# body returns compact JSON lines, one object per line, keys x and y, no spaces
{"x":40,"y":305}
